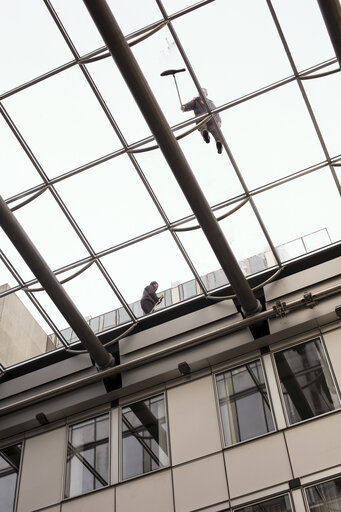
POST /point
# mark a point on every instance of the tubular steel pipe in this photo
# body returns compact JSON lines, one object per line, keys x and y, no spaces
{"x":131,"y":72}
{"x":331,"y":12}
{"x":53,"y":288}
{"x":167,"y":351}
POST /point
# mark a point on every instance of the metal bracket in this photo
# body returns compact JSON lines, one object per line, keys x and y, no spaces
{"x":309,"y":300}
{"x":280,"y":308}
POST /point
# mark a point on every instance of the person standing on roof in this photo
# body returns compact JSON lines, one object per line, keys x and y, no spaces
{"x":199,"y":107}
{"x":149,"y":298}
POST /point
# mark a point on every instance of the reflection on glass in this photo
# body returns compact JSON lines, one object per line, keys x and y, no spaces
{"x":306,"y":381}
{"x":244,"y":403}
{"x":144,"y":437}
{"x":87,"y":456}
{"x":9,"y":469}
{"x":280,"y":504}
{"x":325,"y":497}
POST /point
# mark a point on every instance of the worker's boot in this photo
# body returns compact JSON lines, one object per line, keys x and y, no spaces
{"x":206,"y":136}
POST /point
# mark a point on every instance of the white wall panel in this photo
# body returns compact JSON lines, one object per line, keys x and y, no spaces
{"x":152,"y":493}
{"x":42,"y":471}
{"x":256,"y":465}
{"x":315,"y":445}
{"x":100,"y":501}
{"x":193,"y":420}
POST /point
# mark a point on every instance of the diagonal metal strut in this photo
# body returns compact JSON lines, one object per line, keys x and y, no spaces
{"x":53,"y":288}
{"x":131,"y":72}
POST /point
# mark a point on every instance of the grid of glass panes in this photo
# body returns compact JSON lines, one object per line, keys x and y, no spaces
{"x":244,"y":403}
{"x":306,"y":381}
{"x":87,"y":466}
{"x":68,"y":120}
{"x":9,"y":468}
{"x":144,"y":437}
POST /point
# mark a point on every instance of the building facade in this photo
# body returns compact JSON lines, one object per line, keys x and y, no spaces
{"x":199,"y":415}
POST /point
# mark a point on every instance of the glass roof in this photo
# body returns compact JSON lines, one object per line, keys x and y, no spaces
{"x":102,"y":216}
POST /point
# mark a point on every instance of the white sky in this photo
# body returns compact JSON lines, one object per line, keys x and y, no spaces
{"x":234,"y":49}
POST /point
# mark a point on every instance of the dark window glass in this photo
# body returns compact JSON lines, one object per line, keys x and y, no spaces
{"x":87,"y":456}
{"x":244,"y":403}
{"x":306,"y":381}
{"x":144,"y":437}
{"x":279,"y":504}
{"x":9,"y":469}
{"x":325,"y":497}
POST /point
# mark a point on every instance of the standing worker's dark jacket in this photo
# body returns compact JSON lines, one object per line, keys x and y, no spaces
{"x":149,"y":298}
{"x":200,"y":108}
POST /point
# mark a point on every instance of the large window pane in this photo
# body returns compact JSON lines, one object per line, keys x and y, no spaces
{"x":325,"y":497}
{"x":9,"y":469}
{"x":87,"y":456}
{"x":144,"y":437}
{"x":280,"y":504}
{"x":244,"y":403}
{"x":306,"y":382}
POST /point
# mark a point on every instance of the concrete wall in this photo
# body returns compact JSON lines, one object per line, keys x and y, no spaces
{"x":21,"y":337}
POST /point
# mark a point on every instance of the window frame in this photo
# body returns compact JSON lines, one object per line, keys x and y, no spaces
{"x":243,"y":362}
{"x":78,"y":419}
{"x":127,"y":403}
{"x":289,"y":346}
{"x":18,"y":480}
{"x":317,"y":482}
{"x":265,"y":499}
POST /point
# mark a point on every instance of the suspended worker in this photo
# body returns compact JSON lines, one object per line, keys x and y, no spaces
{"x":199,"y":107}
{"x":149,"y":298}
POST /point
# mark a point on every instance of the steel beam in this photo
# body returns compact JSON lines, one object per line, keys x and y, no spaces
{"x":53,"y":288}
{"x":331,"y":12}
{"x":131,"y":72}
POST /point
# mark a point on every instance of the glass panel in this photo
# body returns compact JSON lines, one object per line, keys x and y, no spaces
{"x":9,"y":469}
{"x":44,"y":50}
{"x":106,"y":210}
{"x":145,"y":13}
{"x":317,"y":188}
{"x":305,"y":31}
{"x":144,"y":437}
{"x":271,"y":147}
{"x":306,"y":381}
{"x":236,"y":33}
{"x":51,"y":241}
{"x":244,"y":403}
{"x":87,"y":465}
{"x":280,"y":504}
{"x":15,"y":163}
{"x":154,"y":259}
{"x":72,"y":128}
{"x":324,"y":97}
{"x":325,"y":497}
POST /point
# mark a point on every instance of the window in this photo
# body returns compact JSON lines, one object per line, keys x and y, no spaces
{"x":87,"y":456}
{"x":144,"y":437}
{"x":306,"y":381}
{"x":244,"y":403}
{"x":279,"y":504}
{"x":9,"y":469}
{"x":325,"y":497}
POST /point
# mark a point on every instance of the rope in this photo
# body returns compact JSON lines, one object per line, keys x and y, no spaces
{"x":226,"y":297}
{"x":123,"y":335}
{"x":29,"y":199}
{"x":194,"y":128}
{"x":27,"y":289}
{"x":218,"y":218}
